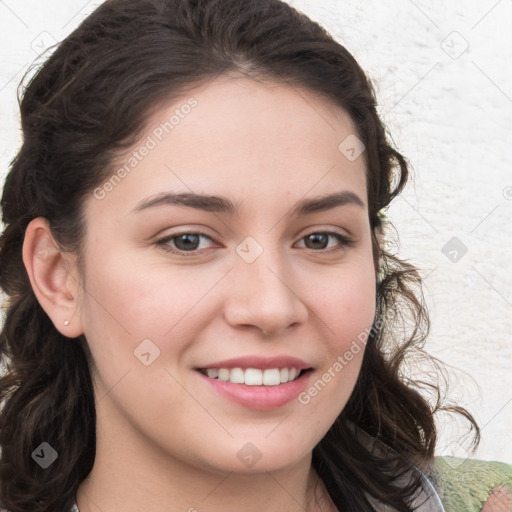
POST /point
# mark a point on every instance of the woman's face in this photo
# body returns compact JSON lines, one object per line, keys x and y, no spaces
{"x":249,"y":271}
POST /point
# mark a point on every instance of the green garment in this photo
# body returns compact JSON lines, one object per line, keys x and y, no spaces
{"x":465,"y":484}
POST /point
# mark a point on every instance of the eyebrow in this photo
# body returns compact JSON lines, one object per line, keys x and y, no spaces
{"x":219,"y":204}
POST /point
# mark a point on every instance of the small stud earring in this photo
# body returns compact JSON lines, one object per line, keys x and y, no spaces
{"x":66,"y":322}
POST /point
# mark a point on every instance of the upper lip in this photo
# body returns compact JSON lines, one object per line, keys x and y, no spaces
{"x":260,"y":362}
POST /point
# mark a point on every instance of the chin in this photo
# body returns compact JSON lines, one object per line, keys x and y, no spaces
{"x":251,"y":455}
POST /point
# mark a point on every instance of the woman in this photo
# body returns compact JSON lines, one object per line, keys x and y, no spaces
{"x":202,"y":313}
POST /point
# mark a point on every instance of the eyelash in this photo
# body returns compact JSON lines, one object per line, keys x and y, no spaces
{"x":163,"y":242}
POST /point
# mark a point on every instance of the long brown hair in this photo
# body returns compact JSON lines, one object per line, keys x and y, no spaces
{"x":89,"y":101}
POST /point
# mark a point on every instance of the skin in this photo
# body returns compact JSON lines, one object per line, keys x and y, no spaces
{"x":500,"y":500}
{"x":165,"y":440}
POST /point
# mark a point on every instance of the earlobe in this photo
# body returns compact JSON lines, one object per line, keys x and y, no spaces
{"x":53,"y":277}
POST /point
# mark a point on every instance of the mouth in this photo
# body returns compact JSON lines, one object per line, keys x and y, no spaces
{"x":255,"y":376}
{"x":257,"y":382}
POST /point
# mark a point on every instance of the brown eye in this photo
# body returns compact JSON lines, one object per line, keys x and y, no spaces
{"x":317,"y":241}
{"x":187,"y":242}
{"x":320,"y":241}
{"x":183,"y":243}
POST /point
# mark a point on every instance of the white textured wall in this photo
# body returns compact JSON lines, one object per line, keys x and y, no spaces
{"x":443,"y":76}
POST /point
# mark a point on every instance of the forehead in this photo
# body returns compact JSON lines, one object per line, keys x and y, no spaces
{"x":240,"y":138}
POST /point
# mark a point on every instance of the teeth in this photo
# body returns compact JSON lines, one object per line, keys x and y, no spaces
{"x":272,"y":377}
{"x":254,"y":376}
{"x":236,"y":375}
{"x":213,"y":373}
{"x":223,"y":374}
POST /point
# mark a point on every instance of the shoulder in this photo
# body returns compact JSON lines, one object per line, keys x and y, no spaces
{"x":426,"y":500}
{"x":465,"y":484}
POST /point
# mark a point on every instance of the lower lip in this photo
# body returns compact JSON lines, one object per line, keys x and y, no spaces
{"x":259,"y":397}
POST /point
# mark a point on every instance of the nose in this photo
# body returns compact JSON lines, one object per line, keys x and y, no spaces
{"x":262,"y":295}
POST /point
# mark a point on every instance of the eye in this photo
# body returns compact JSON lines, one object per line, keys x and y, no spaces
{"x":320,"y":240}
{"x":188,"y":243}
{"x":183,"y":243}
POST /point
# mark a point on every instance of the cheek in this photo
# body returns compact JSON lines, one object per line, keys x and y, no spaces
{"x":345,"y":302}
{"x":129,"y":301}
{"x":346,"y":312}
{"x":140,"y":299}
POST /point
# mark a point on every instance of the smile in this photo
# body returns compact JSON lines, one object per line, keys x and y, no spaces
{"x":254,"y":376}
{"x":256,"y":388}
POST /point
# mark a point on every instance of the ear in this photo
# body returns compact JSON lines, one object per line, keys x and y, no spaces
{"x":54,"y":277}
